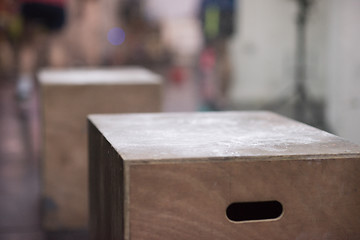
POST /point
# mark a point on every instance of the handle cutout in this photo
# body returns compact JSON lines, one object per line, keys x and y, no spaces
{"x":254,"y":211}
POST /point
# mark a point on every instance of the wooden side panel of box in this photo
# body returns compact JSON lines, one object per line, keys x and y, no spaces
{"x":65,"y":160}
{"x":178,"y":201}
{"x":106,"y":188}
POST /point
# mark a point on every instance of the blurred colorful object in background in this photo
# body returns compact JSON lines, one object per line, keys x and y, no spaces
{"x":116,"y":36}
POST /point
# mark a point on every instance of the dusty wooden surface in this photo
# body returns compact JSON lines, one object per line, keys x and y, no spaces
{"x":68,"y":96}
{"x":179,"y":173}
{"x":239,"y":135}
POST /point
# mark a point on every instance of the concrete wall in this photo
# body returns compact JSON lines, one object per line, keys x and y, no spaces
{"x":343,"y":92}
{"x":263,"y":58}
{"x":262,"y":51}
{"x":317,"y":50}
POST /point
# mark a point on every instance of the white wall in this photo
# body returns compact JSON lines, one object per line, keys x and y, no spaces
{"x":317,"y":50}
{"x":180,"y":27}
{"x":263,"y":57}
{"x":343,"y":95}
{"x":262,"y":51}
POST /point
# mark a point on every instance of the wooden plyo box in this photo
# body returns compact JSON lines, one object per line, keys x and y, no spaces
{"x":68,"y":96}
{"x":226,"y":175}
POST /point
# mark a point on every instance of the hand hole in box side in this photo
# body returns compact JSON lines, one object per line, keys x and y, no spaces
{"x":254,"y":211}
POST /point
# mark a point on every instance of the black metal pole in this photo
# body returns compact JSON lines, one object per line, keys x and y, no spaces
{"x":300,"y":71}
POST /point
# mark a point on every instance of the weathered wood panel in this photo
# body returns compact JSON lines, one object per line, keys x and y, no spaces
{"x":180,"y":172}
{"x":68,"y":96}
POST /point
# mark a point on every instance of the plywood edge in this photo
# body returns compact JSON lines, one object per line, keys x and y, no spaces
{"x":69,"y":76}
{"x":92,"y":123}
{"x":98,"y":231}
{"x":243,"y":159}
{"x":135,"y":83}
{"x":126,"y":180}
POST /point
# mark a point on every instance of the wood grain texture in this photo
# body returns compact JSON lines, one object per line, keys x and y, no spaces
{"x":181,"y":188}
{"x":168,"y":137}
{"x":67,"y":99}
{"x":107,"y":181}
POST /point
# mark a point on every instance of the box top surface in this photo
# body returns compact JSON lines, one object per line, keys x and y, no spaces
{"x":80,"y":76}
{"x":217,"y":135}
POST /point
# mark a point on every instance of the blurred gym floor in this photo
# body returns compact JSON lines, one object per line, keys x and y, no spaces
{"x":20,"y":170}
{"x":20,"y":165}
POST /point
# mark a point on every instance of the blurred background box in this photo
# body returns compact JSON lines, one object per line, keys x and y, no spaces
{"x":68,"y":96}
{"x":220,"y":176}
